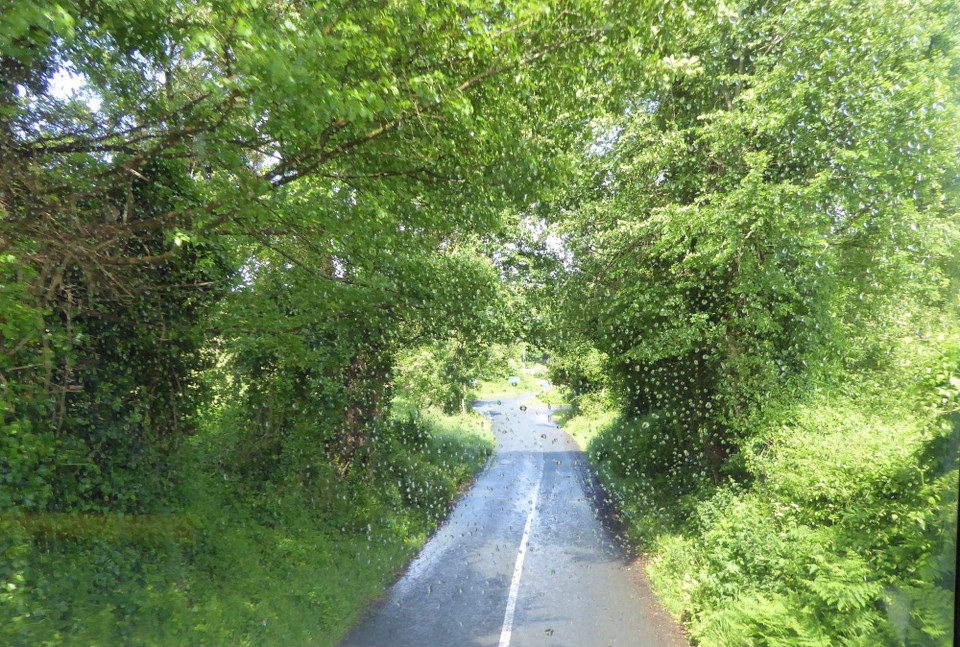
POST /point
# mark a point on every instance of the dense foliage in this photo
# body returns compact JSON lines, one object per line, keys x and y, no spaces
{"x":317,"y":172}
{"x":765,"y":251}
{"x":762,"y":202}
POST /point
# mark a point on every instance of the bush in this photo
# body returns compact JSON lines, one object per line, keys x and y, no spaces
{"x":847,"y":535}
{"x":289,"y":561}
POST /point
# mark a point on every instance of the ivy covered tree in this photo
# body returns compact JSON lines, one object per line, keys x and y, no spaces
{"x":782,"y":181}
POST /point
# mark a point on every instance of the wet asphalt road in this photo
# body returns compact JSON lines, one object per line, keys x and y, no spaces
{"x":522,"y":561}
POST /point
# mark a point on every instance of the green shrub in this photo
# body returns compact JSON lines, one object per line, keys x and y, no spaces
{"x":846,"y":536}
{"x":289,"y":561}
{"x":843,"y":532}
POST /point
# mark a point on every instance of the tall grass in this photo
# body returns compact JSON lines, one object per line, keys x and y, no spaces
{"x":291,"y":562}
{"x":842,"y":529}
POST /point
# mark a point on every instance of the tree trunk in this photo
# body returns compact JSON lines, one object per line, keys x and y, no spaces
{"x":365,"y":404}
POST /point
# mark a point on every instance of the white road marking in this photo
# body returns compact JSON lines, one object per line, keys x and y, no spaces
{"x":517,"y":571}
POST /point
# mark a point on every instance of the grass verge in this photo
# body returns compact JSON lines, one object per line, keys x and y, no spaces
{"x":293,"y":561}
{"x":843,"y":531}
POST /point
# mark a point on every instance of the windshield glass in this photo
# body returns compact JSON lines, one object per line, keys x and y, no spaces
{"x":479,"y":322}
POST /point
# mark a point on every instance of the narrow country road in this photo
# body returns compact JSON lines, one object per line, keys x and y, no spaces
{"x":523,"y":560}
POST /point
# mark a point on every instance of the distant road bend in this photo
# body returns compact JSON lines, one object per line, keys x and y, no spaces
{"x":523,"y":560}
